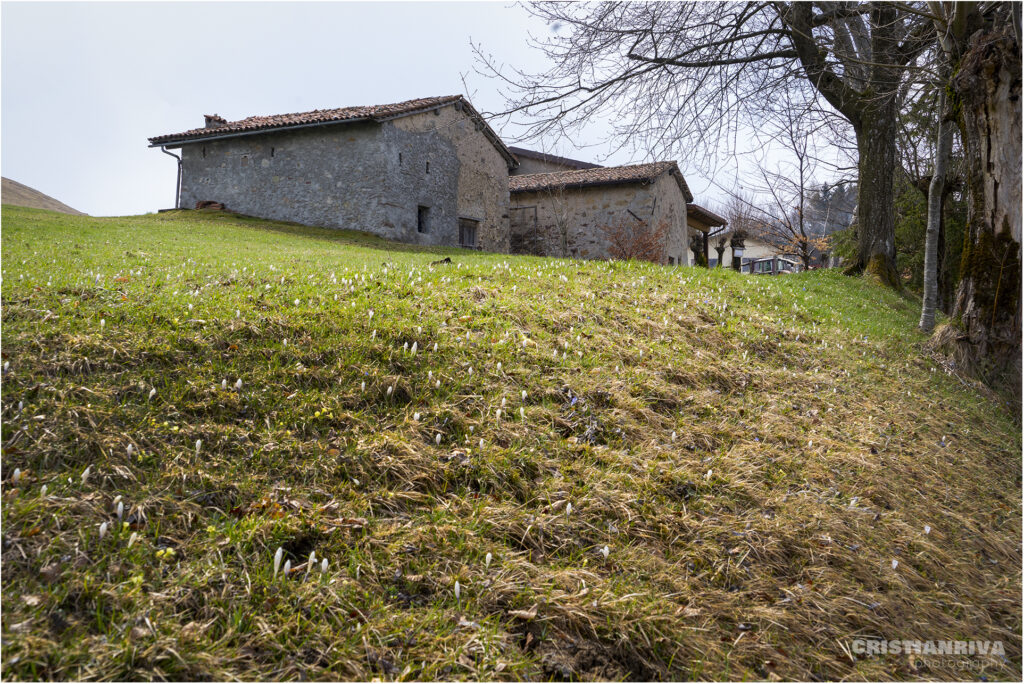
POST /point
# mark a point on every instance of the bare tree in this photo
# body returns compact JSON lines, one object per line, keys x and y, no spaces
{"x":936,"y":195}
{"x":780,"y":213}
{"x":682,"y":75}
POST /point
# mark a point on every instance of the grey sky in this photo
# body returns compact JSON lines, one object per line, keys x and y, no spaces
{"x":85,"y":84}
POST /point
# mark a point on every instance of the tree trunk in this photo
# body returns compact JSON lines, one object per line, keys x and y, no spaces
{"x":942,"y":262}
{"x":984,"y":336}
{"x":876,"y":217}
{"x":721,"y":254}
{"x":936,"y":194}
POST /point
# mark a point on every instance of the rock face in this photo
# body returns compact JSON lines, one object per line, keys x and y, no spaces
{"x":23,"y":196}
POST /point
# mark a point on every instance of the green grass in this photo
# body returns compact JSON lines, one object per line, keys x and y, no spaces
{"x":754,"y":453}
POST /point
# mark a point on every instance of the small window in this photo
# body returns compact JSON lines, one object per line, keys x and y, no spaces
{"x":428,"y":167}
{"x":399,"y":157}
{"x":204,"y":151}
{"x":422,"y":219}
{"x":271,"y":151}
{"x":467,"y":233}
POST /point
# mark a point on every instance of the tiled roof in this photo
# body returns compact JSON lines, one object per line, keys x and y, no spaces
{"x":704,"y":215}
{"x":554,"y":159}
{"x":258,"y":124}
{"x":609,"y":175}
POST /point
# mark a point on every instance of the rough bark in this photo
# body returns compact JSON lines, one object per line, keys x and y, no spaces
{"x":872,"y":109}
{"x":876,"y":215}
{"x":984,"y":336}
{"x":933,"y":231}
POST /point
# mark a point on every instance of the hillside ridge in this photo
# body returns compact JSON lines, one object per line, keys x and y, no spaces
{"x":18,"y":194}
{"x":513,"y":467}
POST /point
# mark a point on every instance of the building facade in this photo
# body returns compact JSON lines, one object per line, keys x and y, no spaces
{"x":590,"y":213}
{"x":428,"y":171}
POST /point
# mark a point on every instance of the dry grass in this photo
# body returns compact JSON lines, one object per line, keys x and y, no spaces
{"x":814,"y":443}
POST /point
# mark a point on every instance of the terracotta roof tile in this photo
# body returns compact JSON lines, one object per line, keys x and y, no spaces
{"x":262,"y":123}
{"x":257,"y":124}
{"x":605,"y":175}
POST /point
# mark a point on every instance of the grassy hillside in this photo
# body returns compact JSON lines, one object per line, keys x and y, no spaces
{"x":514,"y":467}
{"x":17,"y":194}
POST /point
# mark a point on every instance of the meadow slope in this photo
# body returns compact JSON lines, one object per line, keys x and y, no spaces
{"x":513,"y":467}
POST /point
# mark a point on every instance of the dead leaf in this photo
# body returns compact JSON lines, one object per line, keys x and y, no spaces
{"x":525,"y":614}
{"x":354,"y":523}
{"x":51,"y":572}
{"x":31,"y":599}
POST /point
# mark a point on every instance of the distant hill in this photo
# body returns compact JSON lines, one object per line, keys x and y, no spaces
{"x":15,"y":193}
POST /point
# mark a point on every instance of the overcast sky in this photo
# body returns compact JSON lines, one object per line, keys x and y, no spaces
{"x":85,"y":84}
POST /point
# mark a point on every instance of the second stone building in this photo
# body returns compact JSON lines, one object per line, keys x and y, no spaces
{"x":620,"y":212}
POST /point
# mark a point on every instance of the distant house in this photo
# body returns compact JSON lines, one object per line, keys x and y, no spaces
{"x":428,"y":171}
{"x":587,"y":213}
{"x":759,"y":256}
{"x":541,"y":162}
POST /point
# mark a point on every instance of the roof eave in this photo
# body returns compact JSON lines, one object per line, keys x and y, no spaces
{"x":258,"y":131}
{"x":588,"y":184}
{"x":488,"y":132}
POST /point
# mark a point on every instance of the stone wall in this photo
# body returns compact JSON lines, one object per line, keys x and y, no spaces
{"x":362,"y":176}
{"x":481,"y":172}
{"x":328,"y":176}
{"x":573,"y":222}
{"x":670,"y":207}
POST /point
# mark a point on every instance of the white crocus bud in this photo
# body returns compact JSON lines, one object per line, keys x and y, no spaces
{"x":277,"y":560}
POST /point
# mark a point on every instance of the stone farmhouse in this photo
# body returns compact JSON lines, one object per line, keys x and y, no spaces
{"x":429,"y":171}
{"x":579,"y":212}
